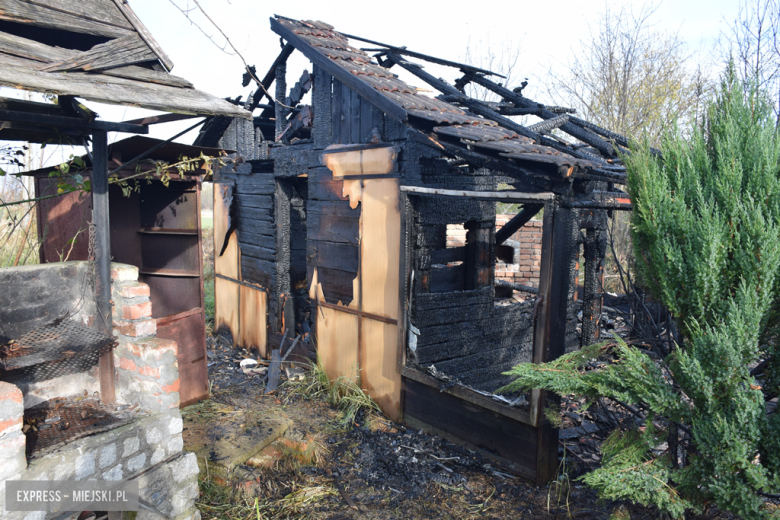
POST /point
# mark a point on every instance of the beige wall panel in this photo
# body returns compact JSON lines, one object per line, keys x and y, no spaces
{"x":379,"y":375}
{"x":254,"y":315}
{"x":227,"y":264}
{"x":226,"y":306}
{"x":381,"y":236}
{"x":337,"y":343}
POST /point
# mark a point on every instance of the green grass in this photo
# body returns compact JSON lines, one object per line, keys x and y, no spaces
{"x":207,"y":222}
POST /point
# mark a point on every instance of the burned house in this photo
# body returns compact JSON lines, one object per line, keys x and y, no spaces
{"x":333,"y":219}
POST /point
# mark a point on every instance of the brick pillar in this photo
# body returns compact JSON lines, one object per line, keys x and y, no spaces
{"x":147,"y":369}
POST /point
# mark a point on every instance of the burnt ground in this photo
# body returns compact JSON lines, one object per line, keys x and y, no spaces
{"x":374,"y":469}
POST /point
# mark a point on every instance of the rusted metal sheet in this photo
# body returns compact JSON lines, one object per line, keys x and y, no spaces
{"x":60,"y":220}
{"x":188,"y":330}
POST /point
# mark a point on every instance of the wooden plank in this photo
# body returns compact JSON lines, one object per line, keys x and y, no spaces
{"x":43,"y":16}
{"x":378,"y":372}
{"x":253,"y":317}
{"x":381,"y":231}
{"x":118,"y":90}
{"x":468,"y":395}
{"x":364,"y":89}
{"x":128,"y":50}
{"x":505,"y":196}
{"x":337,"y":343}
{"x":227,"y":264}
{"x":144,"y":33}
{"x":226,"y":308}
{"x":102,"y":11}
{"x":31,"y":49}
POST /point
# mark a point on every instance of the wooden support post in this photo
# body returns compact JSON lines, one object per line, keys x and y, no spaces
{"x":102,"y":253}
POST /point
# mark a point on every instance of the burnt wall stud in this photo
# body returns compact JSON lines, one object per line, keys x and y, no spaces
{"x":281,"y":94}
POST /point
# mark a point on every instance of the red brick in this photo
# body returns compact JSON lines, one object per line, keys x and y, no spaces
{"x":128,"y":364}
{"x":134,"y":290}
{"x":137,"y":311}
{"x":135,"y":328}
{"x":173,"y":387}
{"x":525,"y":257}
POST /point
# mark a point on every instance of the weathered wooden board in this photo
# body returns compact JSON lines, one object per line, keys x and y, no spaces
{"x":118,"y":90}
{"x":102,"y":11}
{"x":44,"y":16}
{"x":337,"y":343}
{"x":124,"y":7}
{"x":128,"y":50}
{"x":226,"y":308}
{"x":253,"y":317}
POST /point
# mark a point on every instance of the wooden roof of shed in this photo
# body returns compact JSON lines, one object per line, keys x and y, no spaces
{"x":97,"y":50}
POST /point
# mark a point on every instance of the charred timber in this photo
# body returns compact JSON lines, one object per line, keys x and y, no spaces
{"x":602,"y":200}
{"x":517,"y":286}
{"x":545,"y":127}
{"x":505,"y":196}
{"x":510,"y":228}
{"x":432,"y":59}
{"x":575,"y":131}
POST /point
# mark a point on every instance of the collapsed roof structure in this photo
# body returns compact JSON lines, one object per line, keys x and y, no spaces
{"x":334,"y":218}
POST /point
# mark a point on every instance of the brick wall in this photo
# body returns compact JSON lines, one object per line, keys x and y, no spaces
{"x":524,"y":269}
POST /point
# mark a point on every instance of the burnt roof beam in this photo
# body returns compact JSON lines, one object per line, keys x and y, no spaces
{"x":365,"y":90}
{"x":268,"y":80}
{"x":570,"y":128}
{"x":432,"y":59}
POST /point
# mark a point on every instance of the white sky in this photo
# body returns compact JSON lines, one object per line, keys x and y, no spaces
{"x":546,"y":32}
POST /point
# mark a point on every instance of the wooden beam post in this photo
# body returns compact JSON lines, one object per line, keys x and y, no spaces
{"x":102,"y":252}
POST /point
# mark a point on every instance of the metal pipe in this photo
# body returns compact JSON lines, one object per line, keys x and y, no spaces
{"x":102,"y":252}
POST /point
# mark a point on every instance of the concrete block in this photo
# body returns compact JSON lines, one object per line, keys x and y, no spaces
{"x":136,"y":463}
{"x":107,"y":455}
{"x":114,"y":474}
{"x":131,"y":446}
{"x":85,"y":465}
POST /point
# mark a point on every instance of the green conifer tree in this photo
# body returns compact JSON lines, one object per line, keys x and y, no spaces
{"x":706,"y":232}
